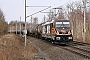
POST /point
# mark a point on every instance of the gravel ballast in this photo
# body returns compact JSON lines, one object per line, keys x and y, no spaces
{"x":54,"y":52}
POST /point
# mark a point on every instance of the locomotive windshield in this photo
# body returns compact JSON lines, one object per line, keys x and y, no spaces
{"x":62,"y":24}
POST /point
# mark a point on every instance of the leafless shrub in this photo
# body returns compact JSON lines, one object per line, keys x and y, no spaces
{"x":3,"y":24}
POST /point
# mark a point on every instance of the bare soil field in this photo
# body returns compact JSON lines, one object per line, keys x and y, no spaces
{"x":12,"y":48}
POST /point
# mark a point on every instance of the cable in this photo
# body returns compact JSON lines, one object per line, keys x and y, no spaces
{"x":39,"y":11}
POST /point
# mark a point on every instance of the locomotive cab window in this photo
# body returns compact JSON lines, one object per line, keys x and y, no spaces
{"x":66,"y":24}
{"x":62,"y":24}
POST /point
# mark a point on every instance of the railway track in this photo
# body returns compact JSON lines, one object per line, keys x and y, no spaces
{"x":77,"y":50}
{"x":78,"y":43}
{"x":73,"y":47}
{"x":70,"y":52}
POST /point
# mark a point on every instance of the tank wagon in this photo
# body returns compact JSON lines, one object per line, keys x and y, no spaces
{"x":35,"y":31}
{"x":56,"y":31}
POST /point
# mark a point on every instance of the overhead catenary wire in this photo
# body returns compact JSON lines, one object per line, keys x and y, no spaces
{"x":43,"y":9}
{"x":39,"y":11}
{"x":37,"y":6}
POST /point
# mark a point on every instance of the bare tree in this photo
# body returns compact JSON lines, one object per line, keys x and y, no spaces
{"x":3,"y":24}
{"x":61,"y":14}
{"x":75,"y":15}
{"x":51,"y":15}
{"x":35,"y":20}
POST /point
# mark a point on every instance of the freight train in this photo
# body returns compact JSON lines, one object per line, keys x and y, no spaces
{"x":56,"y":31}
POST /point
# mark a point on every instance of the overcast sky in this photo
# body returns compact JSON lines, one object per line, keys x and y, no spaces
{"x":13,"y":9}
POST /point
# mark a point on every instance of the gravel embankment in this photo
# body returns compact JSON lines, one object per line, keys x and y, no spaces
{"x":54,"y":52}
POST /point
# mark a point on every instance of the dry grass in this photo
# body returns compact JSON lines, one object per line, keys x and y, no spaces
{"x":12,"y":48}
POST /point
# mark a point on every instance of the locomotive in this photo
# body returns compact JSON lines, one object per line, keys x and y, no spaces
{"x":56,"y":31}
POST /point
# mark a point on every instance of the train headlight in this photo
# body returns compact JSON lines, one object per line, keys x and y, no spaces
{"x":69,"y":37}
{"x":58,"y":38}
